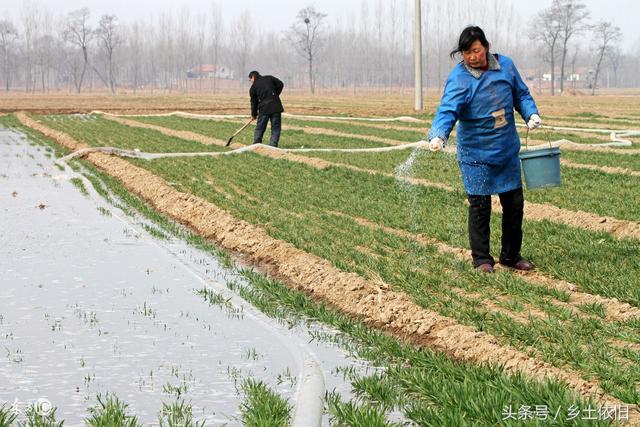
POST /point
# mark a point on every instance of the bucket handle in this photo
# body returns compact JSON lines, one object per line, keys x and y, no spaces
{"x":546,"y":132}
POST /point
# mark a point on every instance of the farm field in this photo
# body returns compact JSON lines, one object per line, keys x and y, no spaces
{"x":374,"y":246}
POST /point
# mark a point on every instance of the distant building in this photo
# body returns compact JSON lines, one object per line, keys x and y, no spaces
{"x":575,"y":78}
{"x":210,"y":71}
{"x":212,"y":77}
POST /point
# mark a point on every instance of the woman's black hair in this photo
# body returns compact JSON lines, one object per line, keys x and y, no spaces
{"x":468,"y":36}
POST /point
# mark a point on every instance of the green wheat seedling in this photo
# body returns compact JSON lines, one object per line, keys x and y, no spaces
{"x":261,"y":406}
{"x":109,"y":411}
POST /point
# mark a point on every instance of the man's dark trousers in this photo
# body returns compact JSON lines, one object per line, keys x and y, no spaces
{"x":261,"y":127}
{"x":479,"y":231}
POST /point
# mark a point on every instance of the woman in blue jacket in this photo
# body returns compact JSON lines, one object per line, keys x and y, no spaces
{"x":480,"y":94}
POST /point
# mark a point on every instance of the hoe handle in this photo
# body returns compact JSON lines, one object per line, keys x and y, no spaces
{"x":238,"y":131}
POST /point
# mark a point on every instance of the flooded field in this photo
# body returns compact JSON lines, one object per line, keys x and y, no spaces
{"x":91,"y":304}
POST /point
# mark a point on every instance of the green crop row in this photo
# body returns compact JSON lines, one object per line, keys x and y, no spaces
{"x":99,"y":132}
{"x":603,"y":159}
{"x":290,"y":138}
{"x":358,"y":129}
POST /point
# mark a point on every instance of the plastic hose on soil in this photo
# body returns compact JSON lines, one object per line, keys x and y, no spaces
{"x":152,"y":156}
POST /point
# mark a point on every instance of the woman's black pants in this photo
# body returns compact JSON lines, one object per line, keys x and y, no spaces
{"x":479,"y":227}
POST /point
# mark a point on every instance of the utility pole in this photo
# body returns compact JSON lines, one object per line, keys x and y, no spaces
{"x":417,"y":51}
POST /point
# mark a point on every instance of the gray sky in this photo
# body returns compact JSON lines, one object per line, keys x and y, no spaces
{"x":278,"y":14}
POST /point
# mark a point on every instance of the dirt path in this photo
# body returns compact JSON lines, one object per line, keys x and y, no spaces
{"x":570,"y":145}
{"x":620,"y":228}
{"x":330,"y":132}
{"x":605,"y":169}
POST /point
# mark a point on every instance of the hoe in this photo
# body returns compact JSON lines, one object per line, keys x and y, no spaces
{"x":238,"y":131}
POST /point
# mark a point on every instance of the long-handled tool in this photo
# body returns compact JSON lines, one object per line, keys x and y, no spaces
{"x":238,"y":131}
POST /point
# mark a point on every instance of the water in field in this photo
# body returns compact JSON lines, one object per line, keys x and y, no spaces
{"x":91,"y":303}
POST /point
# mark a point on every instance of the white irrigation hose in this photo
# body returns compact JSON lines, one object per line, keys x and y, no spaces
{"x":616,"y":141}
{"x":310,"y":402}
{"x":310,"y":391}
{"x":419,"y":144}
{"x":617,"y":136}
{"x":587,"y":130}
{"x":152,"y":156}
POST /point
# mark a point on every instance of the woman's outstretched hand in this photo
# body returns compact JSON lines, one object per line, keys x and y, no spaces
{"x":534,"y":122}
{"x":436,"y":144}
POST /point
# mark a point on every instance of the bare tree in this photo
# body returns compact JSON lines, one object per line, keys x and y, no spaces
{"x":109,"y":39}
{"x":574,"y":60}
{"x":201,"y":23}
{"x":185,"y":46}
{"x":391,"y":58}
{"x":363,"y":72}
{"x":605,"y":35}
{"x":79,"y":33}
{"x":216,"y":33}
{"x":434,"y":38}
{"x":573,"y":20}
{"x":166,"y":45}
{"x":134,"y":44}
{"x":380,"y":19}
{"x":30,"y":24}
{"x":243,"y":38}
{"x":368,"y":46}
{"x":615,"y":59}
{"x":306,"y":36}
{"x":405,"y":36}
{"x":43,"y":47}
{"x":546,"y":28}
{"x":8,"y":34}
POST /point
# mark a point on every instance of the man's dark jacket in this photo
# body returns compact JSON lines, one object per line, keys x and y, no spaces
{"x":265,"y":95}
